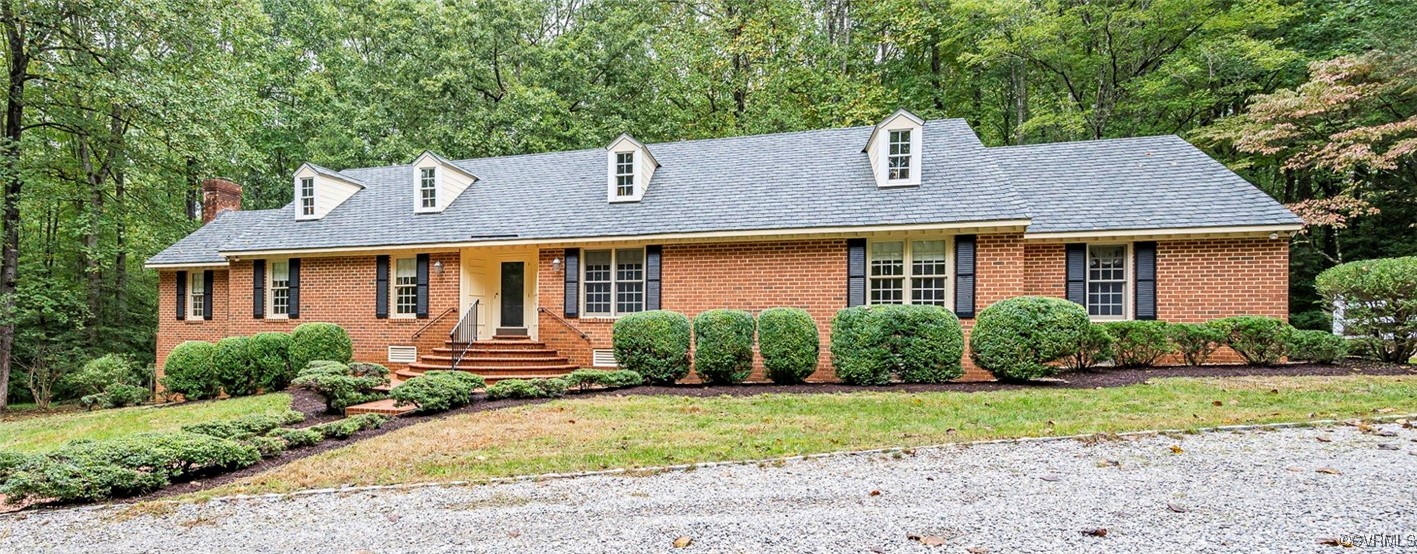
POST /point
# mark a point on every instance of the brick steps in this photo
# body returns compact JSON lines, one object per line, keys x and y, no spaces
{"x":501,"y":357}
{"x":383,"y":407}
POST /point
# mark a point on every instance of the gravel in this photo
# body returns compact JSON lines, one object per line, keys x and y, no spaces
{"x":1287,"y":490}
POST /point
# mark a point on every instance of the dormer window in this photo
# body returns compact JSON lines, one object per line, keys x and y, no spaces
{"x":898,"y":160}
{"x":437,"y":182}
{"x":428,"y":186}
{"x":624,"y":174}
{"x":894,"y":150}
{"x":629,"y":168}
{"x":307,"y":196}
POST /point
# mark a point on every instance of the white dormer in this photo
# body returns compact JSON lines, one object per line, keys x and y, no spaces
{"x":629,"y":167}
{"x":437,"y":182}
{"x":894,"y":150}
{"x":319,"y":190}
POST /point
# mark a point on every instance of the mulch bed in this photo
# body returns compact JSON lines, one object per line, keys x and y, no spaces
{"x":313,"y":406}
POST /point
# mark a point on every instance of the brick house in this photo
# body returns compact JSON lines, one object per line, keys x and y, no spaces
{"x":530,"y":258}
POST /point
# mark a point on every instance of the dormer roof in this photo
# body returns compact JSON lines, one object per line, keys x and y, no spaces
{"x":887,"y":123}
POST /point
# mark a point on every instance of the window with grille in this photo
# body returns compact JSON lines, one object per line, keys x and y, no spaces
{"x":428,"y":187}
{"x":614,"y":281}
{"x":197,"y":304}
{"x":307,"y":196}
{"x":887,"y":273}
{"x":927,"y":272}
{"x":405,"y":286}
{"x":1106,"y":280}
{"x":280,"y":288}
{"x":909,"y":272}
{"x":624,"y":173}
{"x":898,"y":159}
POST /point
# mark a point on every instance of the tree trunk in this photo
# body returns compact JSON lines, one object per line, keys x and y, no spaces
{"x":120,"y":262}
{"x":18,"y":61}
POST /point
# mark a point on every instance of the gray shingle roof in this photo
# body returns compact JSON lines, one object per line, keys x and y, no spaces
{"x":810,"y":179}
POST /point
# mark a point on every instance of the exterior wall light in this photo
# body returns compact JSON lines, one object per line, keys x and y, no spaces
{"x":438,"y":267}
{"x":555,"y":264}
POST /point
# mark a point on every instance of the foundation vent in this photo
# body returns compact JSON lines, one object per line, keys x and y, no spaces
{"x":603,"y":358}
{"x":403,"y":354}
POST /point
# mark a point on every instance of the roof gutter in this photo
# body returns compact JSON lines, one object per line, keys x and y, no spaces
{"x":182,"y":265}
{"x":1174,"y":232}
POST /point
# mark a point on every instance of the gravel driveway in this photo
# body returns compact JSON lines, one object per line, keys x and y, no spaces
{"x":1254,"y":491}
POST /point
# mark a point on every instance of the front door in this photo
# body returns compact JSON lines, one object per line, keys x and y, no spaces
{"x":513,"y":294}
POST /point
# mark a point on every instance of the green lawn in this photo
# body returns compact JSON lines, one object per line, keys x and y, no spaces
{"x":578,"y":434}
{"x":42,"y":433}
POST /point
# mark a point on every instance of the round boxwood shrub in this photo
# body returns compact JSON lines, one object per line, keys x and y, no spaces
{"x":654,"y":344}
{"x":319,"y":341}
{"x":1379,"y":299}
{"x":1259,"y":340}
{"x":1195,"y":341}
{"x":234,"y":367}
{"x":788,"y":343}
{"x":1019,"y":338}
{"x":189,"y":371}
{"x":916,"y":344}
{"x":1139,"y":343}
{"x":723,"y":346}
{"x":1315,"y":346}
{"x":109,"y":369}
{"x":1096,"y":348}
{"x":270,"y":359}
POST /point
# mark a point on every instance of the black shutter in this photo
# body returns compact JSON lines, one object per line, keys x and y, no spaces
{"x":652,"y":256}
{"x":181,"y":295}
{"x":855,"y":272}
{"x":1146,"y":280}
{"x":207,"y":279}
{"x":294,"y":268}
{"x":381,"y":287}
{"x":964,"y":276}
{"x":421,"y":304}
{"x":1077,"y":273}
{"x":572,"y":295}
{"x":258,"y":289}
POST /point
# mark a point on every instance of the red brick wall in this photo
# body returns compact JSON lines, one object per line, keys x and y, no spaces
{"x":171,"y":331}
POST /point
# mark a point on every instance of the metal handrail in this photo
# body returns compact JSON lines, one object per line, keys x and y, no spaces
{"x":464,"y":333}
{"x":563,"y":322}
{"x":431,"y":322}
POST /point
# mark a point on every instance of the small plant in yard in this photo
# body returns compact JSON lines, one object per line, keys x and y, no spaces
{"x":347,"y":427}
{"x":584,"y":379}
{"x":1259,"y":340}
{"x":339,"y":385}
{"x":654,"y":344}
{"x":1195,"y":341}
{"x":9,"y":461}
{"x":189,"y":371}
{"x":43,"y":371}
{"x":297,"y":438}
{"x":1139,"y":343}
{"x":111,"y":381}
{"x":1379,"y":299}
{"x":916,"y":344}
{"x":437,"y":391}
{"x":266,"y":446}
{"x":234,"y":366}
{"x":117,"y":395}
{"x":270,"y":358}
{"x":528,"y":388}
{"x":319,"y":341}
{"x":245,"y":426}
{"x":789,"y":344}
{"x":723,"y":346}
{"x":1020,"y":338}
{"x":1096,"y":348}
{"x":1315,"y":346}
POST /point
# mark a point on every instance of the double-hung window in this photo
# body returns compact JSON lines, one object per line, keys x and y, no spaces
{"x":428,"y":187}
{"x":614,"y":281}
{"x":307,"y":196}
{"x":898,"y":158}
{"x":405,"y":287}
{"x":197,"y":295}
{"x":909,"y":272}
{"x":280,"y":288}
{"x":624,"y":174}
{"x":1107,"y":281}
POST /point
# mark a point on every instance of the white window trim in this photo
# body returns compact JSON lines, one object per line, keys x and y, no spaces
{"x":422,"y":182}
{"x":313,"y":197}
{"x":1128,"y":284}
{"x":271,"y":291}
{"x":907,"y":246}
{"x":194,"y":280}
{"x":618,"y":174}
{"x":394,"y":289}
{"x":614,"y":282}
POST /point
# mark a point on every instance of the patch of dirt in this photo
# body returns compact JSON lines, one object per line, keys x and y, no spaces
{"x":54,"y":409}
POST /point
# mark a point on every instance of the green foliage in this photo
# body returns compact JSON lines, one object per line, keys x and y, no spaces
{"x":1196,"y":341}
{"x":108,"y":369}
{"x":246,"y":426}
{"x":9,"y":461}
{"x":1096,"y":348}
{"x":1019,"y":339}
{"x":1380,"y":303}
{"x":789,"y":344}
{"x":338,"y":384}
{"x":1139,"y":343}
{"x":136,"y":464}
{"x":347,"y":427}
{"x":235,"y":367}
{"x":528,"y":388}
{"x":723,"y":346}
{"x":190,"y":371}
{"x":266,"y":446}
{"x":319,"y":341}
{"x":654,"y":344}
{"x":297,"y":438}
{"x":270,"y":360}
{"x":1259,"y":340}
{"x":437,"y":391}
{"x":117,"y":395}
{"x":585,"y":379}
{"x":1314,"y":320}
{"x":916,"y":344}
{"x":1321,"y":347}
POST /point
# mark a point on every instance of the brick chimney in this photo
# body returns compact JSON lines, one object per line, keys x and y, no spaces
{"x":219,"y":195}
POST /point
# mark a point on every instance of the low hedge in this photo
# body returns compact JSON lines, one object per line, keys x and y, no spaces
{"x":789,"y":344}
{"x":1095,"y":348}
{"x":319,"y":341}
{"x":654,"y":344}
{"x":585,"y":379}
{"x":1259,"y":340}
{"x":1195,"y":341}
{"x":347,"y":427}
{"x":437,"y":391}
{"x":723,"y":346}
{"x":245,"y":426}
{"x":528,"y":388}
{"x":136,"y":464}
{"x":1315,"y":346}
{"x":189,"y":371}
{"x":871,"y":345}
{"x":270,"y":360}
{"x":340,"y":386}
{"x":1139,"y":343}
{"x":1020,"y":338}
{"x":297,"y":438}
{"x":267,"y":446}
{"x":234,"y":367}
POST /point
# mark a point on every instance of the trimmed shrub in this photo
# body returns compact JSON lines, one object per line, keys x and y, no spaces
{"x":297,"y":438}
{"x":789,"y":344}
{"x":234,"y":367}
{"x":347,"y":427}
{"x":319,"y":341}
{"x":1321,"y":347}
{"x":1379,"y":299}
{"x":437,"y":391}
{"x":117,"y":395}
{"x":101,"y":372}
{"x":584,"y":379}
{"x":338,"y":384}
{"x":1259,"y":340}
{"x":723,"y":346}
{"x":190,"y":372}
{"x":1195,"y":341}
{"x":267,"y":446}
{"x":1139,"y":343}
{"x":1019,"y":338}
{"x":270,"y":360}
{"x":654,"y":344}
{"x":528,"y":388}
{"x":1096,"y":348}
{"x":368,"y":369}
{"x":245,"y":426}
{"x":916,"y":344}
{"x":9,"y":461}
{"x":136,"y":464}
